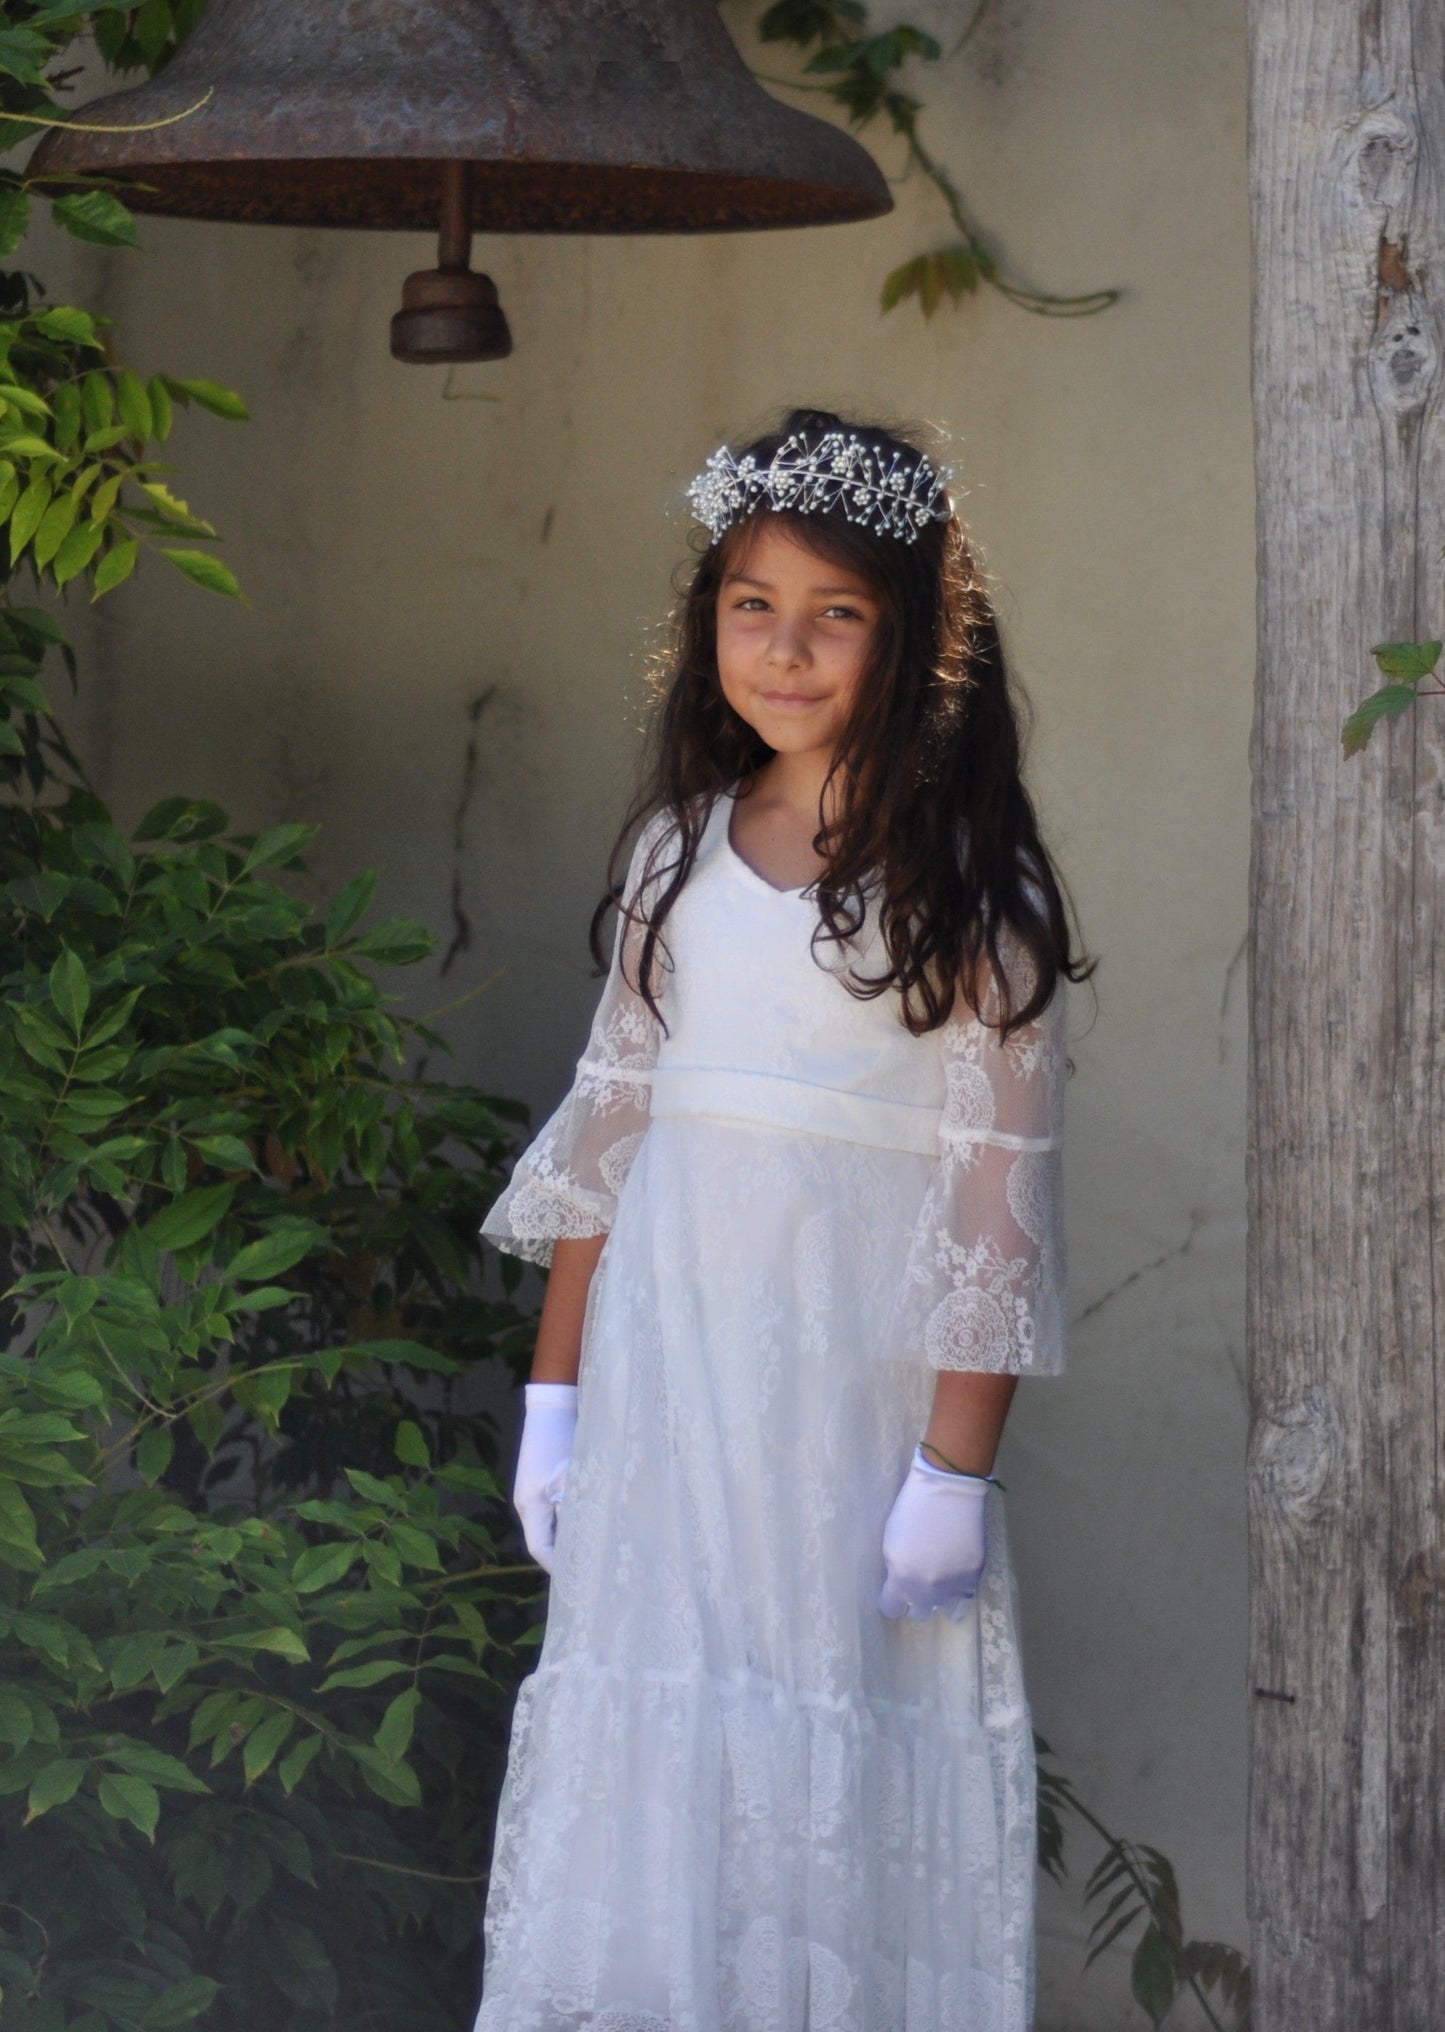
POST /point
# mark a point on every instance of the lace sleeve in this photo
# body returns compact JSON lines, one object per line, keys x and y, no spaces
{"x":566,"y":1182}
{"x":985,"y":1285}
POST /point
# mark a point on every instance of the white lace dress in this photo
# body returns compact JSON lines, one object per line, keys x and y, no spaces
{"x":738,"y":1798}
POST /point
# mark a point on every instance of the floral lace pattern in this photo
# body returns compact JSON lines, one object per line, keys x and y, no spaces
{"x":567,"y":1182}
{"x":985,"y":1283}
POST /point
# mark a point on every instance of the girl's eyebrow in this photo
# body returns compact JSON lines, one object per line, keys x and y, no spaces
{"x":853,"y":592}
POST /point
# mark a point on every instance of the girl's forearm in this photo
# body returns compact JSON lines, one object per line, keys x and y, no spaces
{"x":969,"y":1409}
{"x":559,"y":1332}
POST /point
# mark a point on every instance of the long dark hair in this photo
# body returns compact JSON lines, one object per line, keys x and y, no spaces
{"x":931,"y":815}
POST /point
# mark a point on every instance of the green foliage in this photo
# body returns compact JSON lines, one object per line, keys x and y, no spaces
{"x":1405,"y":664}
{"x":82,"y":490}
{"x":1132,"y":1882}
{"x":256,"y":1635}
{"x":860,"y":70}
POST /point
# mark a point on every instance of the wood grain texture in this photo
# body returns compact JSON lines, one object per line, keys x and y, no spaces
{"x":1346,"y":1144}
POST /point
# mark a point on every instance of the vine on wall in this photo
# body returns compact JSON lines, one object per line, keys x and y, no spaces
{"x":861,"y":69}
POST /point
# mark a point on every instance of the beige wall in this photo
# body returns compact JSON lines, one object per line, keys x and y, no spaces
{"x":412,"y":544}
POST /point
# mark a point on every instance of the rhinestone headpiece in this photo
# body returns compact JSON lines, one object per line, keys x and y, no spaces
{"x":893,"y":492}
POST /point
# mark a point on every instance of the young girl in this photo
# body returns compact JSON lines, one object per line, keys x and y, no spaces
{"x":773,"y":1771}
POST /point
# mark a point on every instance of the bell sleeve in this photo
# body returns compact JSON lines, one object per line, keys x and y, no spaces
{"x":566,"y":1183}
{"x":985,"y":1285}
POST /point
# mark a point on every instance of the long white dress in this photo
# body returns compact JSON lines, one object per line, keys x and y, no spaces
{"x":739,"y":1799}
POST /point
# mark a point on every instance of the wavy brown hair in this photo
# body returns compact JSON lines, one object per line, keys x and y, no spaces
{"x":931,"y":815}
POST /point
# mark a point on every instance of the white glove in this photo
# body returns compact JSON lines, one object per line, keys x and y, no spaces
{"x":934,"y":1543}
{"x":541,"y":1478}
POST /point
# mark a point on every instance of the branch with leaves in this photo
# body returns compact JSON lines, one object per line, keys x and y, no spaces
{"x":860,"y":70}
{"x":81,"y":489}
{"x":1134,"y":1882}
{"x":1406,"y":665}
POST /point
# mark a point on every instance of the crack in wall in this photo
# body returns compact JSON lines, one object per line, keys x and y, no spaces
{"x":1196,"y":1226}
{"x":461,"y":938}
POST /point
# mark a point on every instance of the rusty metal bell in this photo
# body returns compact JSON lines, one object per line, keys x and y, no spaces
{"x":565,"y":116}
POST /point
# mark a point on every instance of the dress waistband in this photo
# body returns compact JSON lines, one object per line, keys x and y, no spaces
{"x":782,"y":1103}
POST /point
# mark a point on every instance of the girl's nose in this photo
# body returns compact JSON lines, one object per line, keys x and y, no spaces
{"x":787,"y":648}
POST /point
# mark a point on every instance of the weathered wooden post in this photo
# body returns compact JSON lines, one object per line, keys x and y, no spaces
{"x":1347,"y":1124}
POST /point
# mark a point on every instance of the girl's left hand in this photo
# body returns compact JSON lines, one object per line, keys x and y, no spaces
{"x":935,"y":1543}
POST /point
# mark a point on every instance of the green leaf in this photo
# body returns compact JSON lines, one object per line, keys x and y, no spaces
{"x":179,"y":2004}
{"x":211,"y":395}
{"x":53,"y":1784}
{"x":285,"y":1643}
{"x":322,"y":1566}
{"x":273,"y":1253}
{"x":141,"y":1760}
{"x":411,"y":1446}
{"x":393,"y":1737}
{"x":901,"y":282}
{"x":76,"y":552}
{"x":370,"y":1674}
{"x":17,"y":396}
{"x":28,"y":446}
{"x":97,"y":401}
{"x":417,"y":1548}
{"x":189,"y":1218}
{"x":279,"y":847}
{"x":55,"y":525}
{"x":205,"y":570}
{"x":71,"y":326}
{"x":227,"y":1153}
{"x":29,"y":513}
{"x":134,"y":404}
{"x":399,"y":942}
{"x":17,"y":1723}
{"x":352,"y":904}
{"x":389,"y":1780}
{"x":153,"y":1453}
{"x":162,"y":409}
{"x":97,"y":216}
{"x":1386,"y":704}
{"x":70,"y":989}
{"x":1407,"y":661}
{"x":116,"y":566}
{"x":132,"y":1799}
{"x":412,"y":1353}
{"x":1152,"y":1976}
{"x":14,"y":218}
{"x":375,"y":1490}
{"x":103,"y":506}
{"x":261,"y":1746}
{"x":293,"y":1766}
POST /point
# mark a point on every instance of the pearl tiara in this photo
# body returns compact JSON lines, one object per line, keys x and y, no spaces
{"x":893,"y":492}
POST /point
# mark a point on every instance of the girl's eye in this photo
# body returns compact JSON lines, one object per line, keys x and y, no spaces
{"x":845,"y":613}
{"x":750,"y":602}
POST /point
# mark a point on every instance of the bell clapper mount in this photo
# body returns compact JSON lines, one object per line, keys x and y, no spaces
{"x":449,"y":313}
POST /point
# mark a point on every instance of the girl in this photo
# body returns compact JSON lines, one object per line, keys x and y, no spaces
{"x":773,"y":1771}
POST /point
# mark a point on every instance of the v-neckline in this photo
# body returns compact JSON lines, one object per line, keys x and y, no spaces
{"x":746,"y":867}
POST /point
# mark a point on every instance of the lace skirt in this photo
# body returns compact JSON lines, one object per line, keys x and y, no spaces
{"x":738,"y":1799}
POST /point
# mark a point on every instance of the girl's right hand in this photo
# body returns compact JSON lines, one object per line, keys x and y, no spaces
{"x":541,"y":1478}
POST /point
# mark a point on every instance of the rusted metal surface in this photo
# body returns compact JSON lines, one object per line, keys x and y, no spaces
{"x":576,"y":116}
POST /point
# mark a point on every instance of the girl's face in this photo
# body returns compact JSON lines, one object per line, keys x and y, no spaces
{"x":794,"y":638}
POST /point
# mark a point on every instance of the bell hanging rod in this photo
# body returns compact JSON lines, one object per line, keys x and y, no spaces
{"x":450,"y":313}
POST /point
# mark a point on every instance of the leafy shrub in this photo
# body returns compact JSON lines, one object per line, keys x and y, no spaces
{"x":257,"y":1642}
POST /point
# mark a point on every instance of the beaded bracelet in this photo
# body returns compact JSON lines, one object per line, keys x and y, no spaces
{"x":927,"y":1446}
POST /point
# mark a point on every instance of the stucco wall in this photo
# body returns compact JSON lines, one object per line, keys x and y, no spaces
{"x":432,"y":558}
